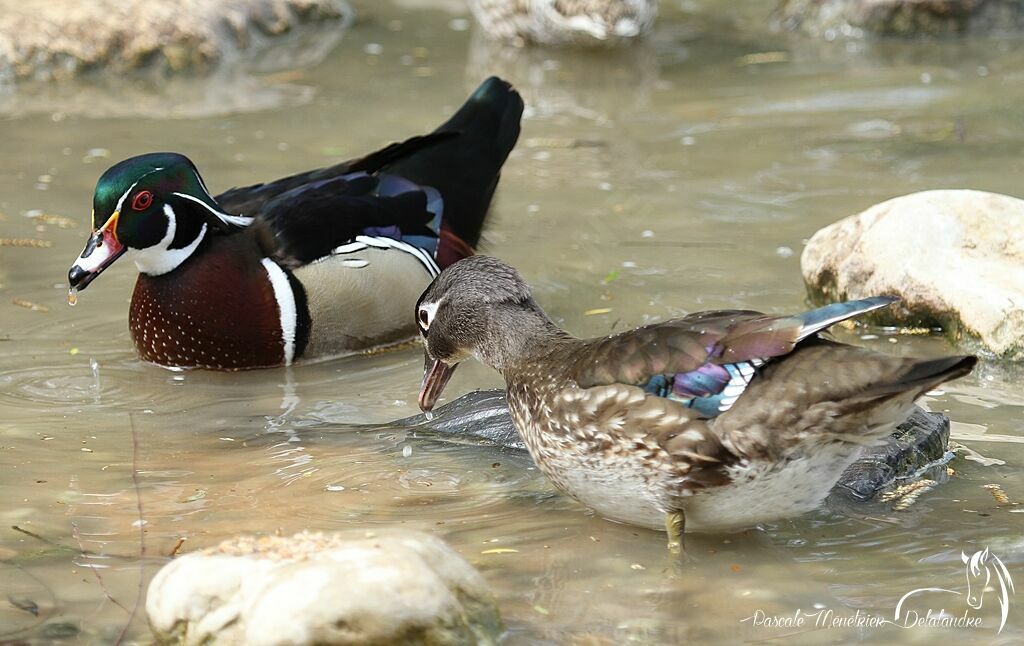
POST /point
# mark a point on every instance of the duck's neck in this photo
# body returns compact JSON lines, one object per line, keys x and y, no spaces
{"x":518,"y":336}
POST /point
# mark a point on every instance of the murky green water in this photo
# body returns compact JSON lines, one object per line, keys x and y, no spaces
{"x":668,"y":178}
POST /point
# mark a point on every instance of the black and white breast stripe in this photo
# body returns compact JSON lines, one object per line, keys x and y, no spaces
{"x":362,"y":243}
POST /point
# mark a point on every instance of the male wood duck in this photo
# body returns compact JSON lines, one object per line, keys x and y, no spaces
{"x":319,"y":264}
{"x":715,"y":421}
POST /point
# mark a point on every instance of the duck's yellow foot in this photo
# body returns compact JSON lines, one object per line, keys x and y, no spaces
{"x":675,"y":525}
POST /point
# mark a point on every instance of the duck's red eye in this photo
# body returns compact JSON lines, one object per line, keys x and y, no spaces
{"x":142,"y":201}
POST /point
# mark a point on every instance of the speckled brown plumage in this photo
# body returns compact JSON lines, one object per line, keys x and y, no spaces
{"x":591,"y":426}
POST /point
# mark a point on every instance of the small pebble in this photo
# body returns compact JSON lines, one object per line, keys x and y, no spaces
{"x":998,"y":493}
{"x":25,"y":242}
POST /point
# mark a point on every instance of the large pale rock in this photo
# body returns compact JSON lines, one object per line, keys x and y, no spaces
{"x":352,"y":588}
{"x":565,"y":22}
{"x":59,"y":39}
{"x":854,"y":18}
{"x":954,"y":257}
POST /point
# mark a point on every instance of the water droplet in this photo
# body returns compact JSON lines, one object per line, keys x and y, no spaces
{"x":97,"y":386}
{"x":406,"y":451}
{"x":73,"y":296}
{"x":429,"y":415}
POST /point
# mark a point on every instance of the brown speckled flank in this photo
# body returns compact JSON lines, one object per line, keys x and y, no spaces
{"x":638,"y":427}
{"x":217,"y":311}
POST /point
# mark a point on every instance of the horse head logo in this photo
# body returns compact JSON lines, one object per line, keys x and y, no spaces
{"x":981,"y":568}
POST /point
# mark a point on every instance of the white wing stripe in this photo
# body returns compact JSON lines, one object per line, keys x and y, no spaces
{"x":351,"y":247}
{"x":380,"y":242}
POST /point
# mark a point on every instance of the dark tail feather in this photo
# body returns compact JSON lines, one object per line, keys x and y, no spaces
{"x":465,"y":168}
{"x":927,"y":374}
{"x":922,"y":376}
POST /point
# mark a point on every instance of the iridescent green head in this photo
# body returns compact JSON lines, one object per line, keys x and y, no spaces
{"x":155,"y":205}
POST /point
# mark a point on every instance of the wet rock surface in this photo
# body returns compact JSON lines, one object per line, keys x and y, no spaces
{"x":907,"y":18}
{"x":919,"y":442}
{"x":954,"y":257}
{"x":62,"y":39}
{"x":383,"y":587}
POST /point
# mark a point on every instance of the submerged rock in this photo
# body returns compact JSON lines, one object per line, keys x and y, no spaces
{"x":854,"y":18}
{"x":61,"y":39}
{"x":919,"y":442}
{"x":389,"y":587}
{"x":954,"y":257}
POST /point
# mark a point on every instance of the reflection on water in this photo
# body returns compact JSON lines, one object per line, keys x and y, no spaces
{"x":684,"y":177}
{"x":596,"y":85}
{"x":267,"y":79}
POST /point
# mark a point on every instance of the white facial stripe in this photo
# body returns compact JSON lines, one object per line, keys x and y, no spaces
{"x":160,"y":258}
{"x":201,"y":182}
{"x":238,"y":220}
{"x":286,"y":306}
{"x":120,"y":202}
{"x":430,"y":309}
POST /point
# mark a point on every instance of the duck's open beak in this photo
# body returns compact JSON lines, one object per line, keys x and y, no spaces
{"x":102,"y":249}
{"x":435,"y":377}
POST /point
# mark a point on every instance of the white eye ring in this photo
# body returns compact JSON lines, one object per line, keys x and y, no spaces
{"x":425,"y":315}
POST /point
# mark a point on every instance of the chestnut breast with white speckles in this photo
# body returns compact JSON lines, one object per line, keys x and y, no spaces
{"x":217,"y":311}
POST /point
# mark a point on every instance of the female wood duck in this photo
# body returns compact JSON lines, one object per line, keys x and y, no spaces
{"x":315,"y":265}
{"x":717,"y":421}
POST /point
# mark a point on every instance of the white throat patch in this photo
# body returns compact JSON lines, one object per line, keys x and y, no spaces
{"x":160,"y":258}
